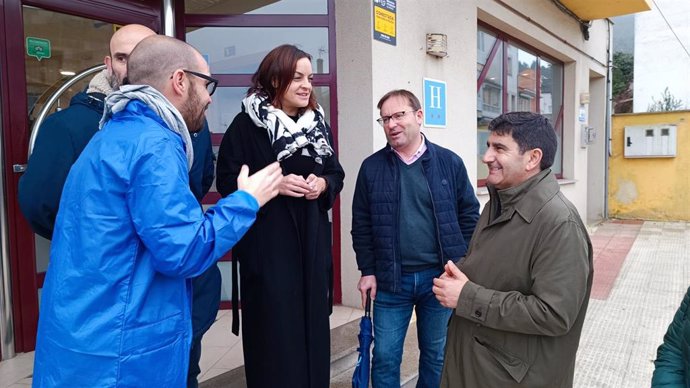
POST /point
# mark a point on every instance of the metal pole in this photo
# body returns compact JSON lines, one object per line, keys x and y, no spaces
{"x":6,"y":318}
{"x":169,"y":18}
{"x":609,"y":112}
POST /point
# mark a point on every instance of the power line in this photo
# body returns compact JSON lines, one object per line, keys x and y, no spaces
{"x":671,"y":28}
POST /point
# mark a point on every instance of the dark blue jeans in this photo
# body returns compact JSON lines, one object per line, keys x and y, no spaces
{"x":392,"y":313}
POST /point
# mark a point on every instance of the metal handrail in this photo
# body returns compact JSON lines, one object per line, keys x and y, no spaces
{"x":44,"y":110}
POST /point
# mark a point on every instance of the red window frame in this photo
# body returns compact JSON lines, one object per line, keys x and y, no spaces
{"x":502,"y":41}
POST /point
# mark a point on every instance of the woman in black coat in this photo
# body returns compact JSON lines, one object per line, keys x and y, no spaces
{"x":286,"y":274}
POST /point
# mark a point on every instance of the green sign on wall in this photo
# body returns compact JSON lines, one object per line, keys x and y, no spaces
{"x":37,"y":47}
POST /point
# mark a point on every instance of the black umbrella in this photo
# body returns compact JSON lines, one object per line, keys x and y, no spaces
{"x":360,"y":379}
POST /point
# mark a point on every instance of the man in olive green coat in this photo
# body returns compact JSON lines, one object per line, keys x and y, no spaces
{"x":521,"y":293}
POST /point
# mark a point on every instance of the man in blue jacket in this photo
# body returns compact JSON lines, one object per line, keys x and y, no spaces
{"x":115,"y":309}
{"x":62,"y":138}
{"x":413,"y":209}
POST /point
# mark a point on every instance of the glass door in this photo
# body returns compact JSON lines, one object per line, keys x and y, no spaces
{"x":57,"y":47}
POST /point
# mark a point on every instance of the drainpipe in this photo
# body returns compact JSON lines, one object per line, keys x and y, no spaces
{"x":169,"y":18}
{"x":6,"y":319}
{"x":609,"y":111}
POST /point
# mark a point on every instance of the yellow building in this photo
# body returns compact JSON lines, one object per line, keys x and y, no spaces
{"x":650,"y":187}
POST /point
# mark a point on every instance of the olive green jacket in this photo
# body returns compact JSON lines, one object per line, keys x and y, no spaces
{"x":519,"y":318}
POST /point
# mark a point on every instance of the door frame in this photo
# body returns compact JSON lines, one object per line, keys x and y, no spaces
{"x":15,"y":133}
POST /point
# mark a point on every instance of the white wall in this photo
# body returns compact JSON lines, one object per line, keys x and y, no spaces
{"x":660,"y":60}
{"x":367,"y":69}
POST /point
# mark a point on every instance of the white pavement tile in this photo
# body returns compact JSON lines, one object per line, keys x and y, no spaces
{"x":213,"y":373}
{"x":621,"y":334}
{"x":210,"y":355}
{"x":16,"y":369}
{"x":231,"y":359}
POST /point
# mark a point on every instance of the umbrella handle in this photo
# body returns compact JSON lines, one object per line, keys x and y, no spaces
{"x":367,"y":306}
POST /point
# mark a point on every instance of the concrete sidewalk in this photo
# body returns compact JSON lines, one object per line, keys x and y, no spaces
{"x":625,"y":326}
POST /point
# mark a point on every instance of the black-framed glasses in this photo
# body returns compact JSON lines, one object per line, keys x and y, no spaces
{"x":210,"y":85}
{"x":397,"y":116}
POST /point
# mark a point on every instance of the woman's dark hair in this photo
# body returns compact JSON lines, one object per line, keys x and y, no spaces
{"x":275,"y":73}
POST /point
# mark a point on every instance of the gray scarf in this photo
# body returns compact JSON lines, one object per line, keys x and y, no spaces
{"x":153,"y":99}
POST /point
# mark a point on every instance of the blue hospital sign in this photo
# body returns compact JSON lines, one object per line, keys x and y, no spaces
{"x":434,"y":103}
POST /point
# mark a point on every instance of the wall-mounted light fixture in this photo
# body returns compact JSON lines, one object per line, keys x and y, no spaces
{"x":437,"y":44}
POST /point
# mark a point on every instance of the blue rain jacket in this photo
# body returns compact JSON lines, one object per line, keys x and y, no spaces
{"x":115,"y":308}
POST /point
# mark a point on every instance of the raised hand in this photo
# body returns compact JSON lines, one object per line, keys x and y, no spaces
{"x":263,"y":184}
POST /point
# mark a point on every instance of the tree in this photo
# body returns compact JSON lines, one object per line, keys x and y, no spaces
{"x":667,"y":103}
{"x":621,"y":82}
{"x":622,"y":72}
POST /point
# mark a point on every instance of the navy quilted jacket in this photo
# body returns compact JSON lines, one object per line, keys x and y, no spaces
{"x":375,"y":206}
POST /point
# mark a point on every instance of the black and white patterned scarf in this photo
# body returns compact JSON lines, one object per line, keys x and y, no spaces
{"x":287,"y":137}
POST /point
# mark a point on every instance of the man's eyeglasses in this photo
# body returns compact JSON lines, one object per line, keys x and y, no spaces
{"x":397,"y":116}
{"x":210,"y":85}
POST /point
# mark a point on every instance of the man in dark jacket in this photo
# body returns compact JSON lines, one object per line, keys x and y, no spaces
{"x":521,"y":293}
{"x":205,"y":287}
{"x":63,"y":136}
{"x":414,"y":208}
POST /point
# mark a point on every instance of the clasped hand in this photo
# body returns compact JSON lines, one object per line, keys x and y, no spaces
{"x":294,"y":185}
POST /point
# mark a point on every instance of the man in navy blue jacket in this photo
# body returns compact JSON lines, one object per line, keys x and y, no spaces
{"x":205,"y":287}
{"x":64,"y":134}
{"x":414,"y":209}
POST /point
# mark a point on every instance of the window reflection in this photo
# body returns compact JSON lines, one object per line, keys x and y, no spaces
{"x":489,"y":97}
{"x":258,"y":7}
{"x":77,"y":44}
{"x":522,"y":80}
{"x":226,"y":105}
{"x":551,"y":103}
{"x":239,"y":50}
{"x":551,"y":93}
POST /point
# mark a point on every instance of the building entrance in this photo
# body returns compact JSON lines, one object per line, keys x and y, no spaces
{"x":46,"y":44}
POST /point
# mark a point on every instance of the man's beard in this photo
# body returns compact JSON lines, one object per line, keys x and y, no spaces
{"x":190,"y":108}
{"x":113,"y":81}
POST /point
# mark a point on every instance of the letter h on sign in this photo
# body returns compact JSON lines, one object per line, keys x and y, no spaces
{"x":434,"y":103}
